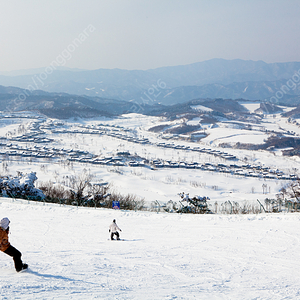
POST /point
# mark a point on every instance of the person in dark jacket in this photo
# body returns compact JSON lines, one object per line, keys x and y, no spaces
{"x":7,"y":248}
{"x":113,"y":229}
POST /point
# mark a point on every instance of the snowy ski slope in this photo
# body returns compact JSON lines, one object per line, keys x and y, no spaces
{"x":163,"y":256}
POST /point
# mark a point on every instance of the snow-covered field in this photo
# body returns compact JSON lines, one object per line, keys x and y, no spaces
{"x":152,"y":185}
{"x":163,"y":256}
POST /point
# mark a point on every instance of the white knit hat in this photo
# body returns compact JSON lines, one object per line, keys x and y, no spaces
{"x":4,"y":223}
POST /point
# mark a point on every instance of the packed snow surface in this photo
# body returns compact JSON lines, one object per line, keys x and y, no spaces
{"x":162,"y":256}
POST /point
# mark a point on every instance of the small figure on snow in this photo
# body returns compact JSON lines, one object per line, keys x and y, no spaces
{"x":7,"y":248}
{"x":113,"y":229}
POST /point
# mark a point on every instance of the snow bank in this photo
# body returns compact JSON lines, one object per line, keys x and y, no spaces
{"x":21,"y":186}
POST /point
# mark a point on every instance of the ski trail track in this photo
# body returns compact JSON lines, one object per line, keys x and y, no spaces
{"x":163,"y":256}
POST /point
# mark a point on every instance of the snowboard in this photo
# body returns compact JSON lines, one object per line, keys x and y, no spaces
{"x":25,"y":268}
{"x":23,"y":271}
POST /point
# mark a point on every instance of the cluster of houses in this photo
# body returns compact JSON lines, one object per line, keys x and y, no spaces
{"x":41,"y":152}
{"x":199,"y":149}
{"x":114,"y":131}
{"x":126,"y":159}
{"x":37,"y":134}
{"x":31,"y":138}
{"x":233,"y":169}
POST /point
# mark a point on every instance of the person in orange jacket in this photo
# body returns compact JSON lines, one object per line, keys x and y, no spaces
{"x":7,"y":248}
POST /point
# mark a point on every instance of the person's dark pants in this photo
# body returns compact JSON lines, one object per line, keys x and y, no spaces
{"x":16,"y":255}
{"x":114,"y":233}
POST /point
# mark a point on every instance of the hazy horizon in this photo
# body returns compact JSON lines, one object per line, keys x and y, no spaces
{"x":82,"y":69}
{"x":136,"y":35}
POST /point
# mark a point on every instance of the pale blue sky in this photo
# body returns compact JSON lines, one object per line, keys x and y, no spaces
{"x":132,"y":34}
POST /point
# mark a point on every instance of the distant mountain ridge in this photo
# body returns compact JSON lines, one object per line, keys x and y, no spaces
{"x":251,"y":90}
{"x":59,"y":105}
{"x":64,"y":106}
{"x":253,"y":80}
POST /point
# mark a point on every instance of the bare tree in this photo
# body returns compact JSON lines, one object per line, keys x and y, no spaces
{"x":78,"y":185}
{"x":292,"y":192}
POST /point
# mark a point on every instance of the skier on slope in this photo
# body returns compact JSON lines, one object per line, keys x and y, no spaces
{"x":7,"y":248}
{"x":113,"y":229}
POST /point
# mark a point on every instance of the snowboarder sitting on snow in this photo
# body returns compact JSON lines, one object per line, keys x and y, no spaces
{"x":7,"y":248}
{"x":113,"y":229}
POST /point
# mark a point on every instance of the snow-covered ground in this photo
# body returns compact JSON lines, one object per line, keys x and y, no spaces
{"x":156,"y":184}
{"x":163,"y":256}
